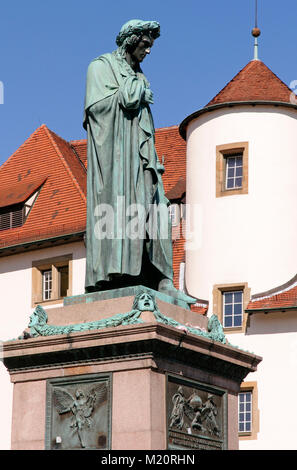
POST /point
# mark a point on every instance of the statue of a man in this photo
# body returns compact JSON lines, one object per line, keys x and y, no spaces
{"x":128,"y":241}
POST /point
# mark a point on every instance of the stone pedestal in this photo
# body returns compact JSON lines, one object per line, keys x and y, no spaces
{"x":142,"y":386}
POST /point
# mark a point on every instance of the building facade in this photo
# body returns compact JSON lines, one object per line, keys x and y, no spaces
{"x":241,"y":256}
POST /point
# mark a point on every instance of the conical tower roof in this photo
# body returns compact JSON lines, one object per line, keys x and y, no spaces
{"x":255,"y":82}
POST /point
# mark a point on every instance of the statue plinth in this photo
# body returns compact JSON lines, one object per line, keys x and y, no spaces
{"x":146,"y":385}
{"x":123,"y":292}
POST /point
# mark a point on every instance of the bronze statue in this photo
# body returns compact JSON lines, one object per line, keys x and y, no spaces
{"x":128,"y":235}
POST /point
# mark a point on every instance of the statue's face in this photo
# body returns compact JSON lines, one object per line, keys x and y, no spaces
{"x":146,"y":303}
{"x":33,"y":319}
{"x":143,"y":48}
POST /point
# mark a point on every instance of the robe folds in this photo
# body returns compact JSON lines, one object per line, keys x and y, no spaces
{"x":124,"y":176}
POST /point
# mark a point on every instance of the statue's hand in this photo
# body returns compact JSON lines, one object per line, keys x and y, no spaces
{"x":148,"y":96}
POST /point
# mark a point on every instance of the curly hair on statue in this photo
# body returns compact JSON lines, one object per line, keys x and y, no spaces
{"x":132,"y":32}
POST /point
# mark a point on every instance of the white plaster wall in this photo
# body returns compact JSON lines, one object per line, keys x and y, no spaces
{"x":274,"y":338}
{"x":16,"y":297}
{"x":243,"y":238}
{"x":250,"y":238}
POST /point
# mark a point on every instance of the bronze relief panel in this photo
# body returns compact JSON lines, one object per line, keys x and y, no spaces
{"x":196,"y":415}
{"x":78,"y":412}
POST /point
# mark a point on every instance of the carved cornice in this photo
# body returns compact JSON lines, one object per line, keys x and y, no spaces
{"x":144,"y":340}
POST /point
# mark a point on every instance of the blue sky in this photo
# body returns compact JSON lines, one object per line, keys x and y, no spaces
{"x":45,"y":49}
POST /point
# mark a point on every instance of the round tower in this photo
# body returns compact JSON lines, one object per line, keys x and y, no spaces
{"x":241,"y":186}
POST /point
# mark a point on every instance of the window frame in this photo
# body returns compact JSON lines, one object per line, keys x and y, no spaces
{"x":47,"y":284}
{"x":233,"y":303}
{"x":174,"y":214}
{"x":218,"y":291}
{"x":227,"y":168}
{"x":255,"y":421}
{"x":245,"y":411}
{"x":53,"y":265}
{"x":223,"y":152}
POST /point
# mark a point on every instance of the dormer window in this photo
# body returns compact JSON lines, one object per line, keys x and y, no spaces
{"x":16,"y":203}
{"x":12,"y":216}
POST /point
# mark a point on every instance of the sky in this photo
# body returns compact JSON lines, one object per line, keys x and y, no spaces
{"x":46,"y":47}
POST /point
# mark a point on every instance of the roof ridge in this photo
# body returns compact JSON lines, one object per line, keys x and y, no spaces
{"x":70,"y":146}
{"x":227,"y":84}
{"x":83,"y":141}
{"x":52,"y":136}
{"x":77,"y":140}
{"x":277,"y":77}
{"x":75,"y":151}
{"x":165,"y":128}
{"x":22,"y":145}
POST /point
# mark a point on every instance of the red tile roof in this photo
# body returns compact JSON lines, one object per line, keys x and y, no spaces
{"x":62,"y":202}
{"x":71,"y":159}
{"x":19,"y":192}
{"x":171,"y":150}
{"x":61,"y":205}
{"x":255,"y":82}
{"x":80,"y":148}
{"x":281,"y":298}
{"x":178,"y":191}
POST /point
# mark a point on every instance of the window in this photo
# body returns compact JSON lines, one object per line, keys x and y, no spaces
{"x":248,"y":412}
{"x":11,"y":217}
{"x":47,"y":284}
{"x":63,"y":273}
{"x":232,"y":169}
{"x":182,"y":276}
{"x":15,"y":215}
{"x":229,"y":304}
{"x":245,"y":411}
{"x":51,"y":279}
{"x":232,"y":308}
{"x":174,"y":214}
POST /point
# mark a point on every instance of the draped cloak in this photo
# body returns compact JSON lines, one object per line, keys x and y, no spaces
{"x":123,"y":170}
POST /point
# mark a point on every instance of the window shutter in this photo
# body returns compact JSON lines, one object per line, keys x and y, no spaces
{"x":5,"y":221}
{"x":17,"y":218}
{"x":12,"y":218}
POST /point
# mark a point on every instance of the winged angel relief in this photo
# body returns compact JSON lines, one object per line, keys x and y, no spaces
{"x":82,"y":406}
